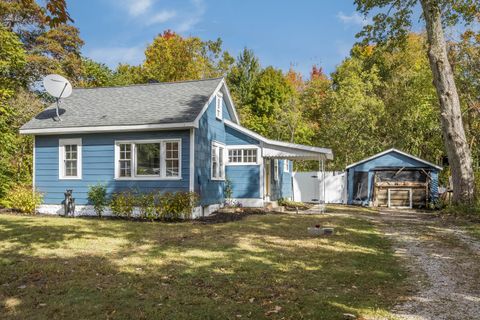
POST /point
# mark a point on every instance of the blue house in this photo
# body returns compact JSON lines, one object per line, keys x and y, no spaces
{"x":392,"y":179}
{"x":181,"y":136}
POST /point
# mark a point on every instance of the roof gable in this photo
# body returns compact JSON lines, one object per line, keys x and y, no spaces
{"x":393,"y":157}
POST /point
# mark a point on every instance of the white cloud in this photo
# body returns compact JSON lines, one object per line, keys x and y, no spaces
{"x":138,"y":7}
{"x":162,"y":17}
{"x":190,"y":20}
{"x":112,"y":56}
{"x":354,"y":19}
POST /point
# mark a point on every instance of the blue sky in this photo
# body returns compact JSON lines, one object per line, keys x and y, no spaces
{"x":282,"y":33}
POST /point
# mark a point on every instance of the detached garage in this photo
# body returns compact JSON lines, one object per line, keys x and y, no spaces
{"x":393,"y":179}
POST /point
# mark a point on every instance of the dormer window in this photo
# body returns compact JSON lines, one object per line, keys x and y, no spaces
{"x":219,"y":105}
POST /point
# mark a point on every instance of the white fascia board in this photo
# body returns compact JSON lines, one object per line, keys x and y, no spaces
{"x":213,"y":96}
{"x":327,"y":152}
{"x":397,"y":151}
{"x":95,"y":129}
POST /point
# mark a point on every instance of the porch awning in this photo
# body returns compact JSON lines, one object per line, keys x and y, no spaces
{"x":284,"y":150}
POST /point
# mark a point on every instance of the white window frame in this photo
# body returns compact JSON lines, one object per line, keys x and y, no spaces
{"x":221,"y":168}
{"x":286,"y":165}
{"x":410,"y":195}
{"x":134,"y":176}
{"x":242,"y":148}
{"x":61,"y":158}
{"x":219,"y":105}
{"x":275,"y":170}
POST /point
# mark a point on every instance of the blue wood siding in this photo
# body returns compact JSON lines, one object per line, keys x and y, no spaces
{"x":98,"y":165}
{"x":391,"y":159}
{"x":210,"y":129}
{"x":225,"y":112}
{"x":282,"y":188}
{"x":234,"y":137}
{"x":245,"y":180}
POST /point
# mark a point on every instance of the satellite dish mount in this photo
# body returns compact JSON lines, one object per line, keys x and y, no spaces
{"x":58,"y":87}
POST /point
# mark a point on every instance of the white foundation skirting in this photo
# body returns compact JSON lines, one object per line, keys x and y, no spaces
{"x":250,"y":202}
{"x":197,"y":212}
{"x":87,"y":210}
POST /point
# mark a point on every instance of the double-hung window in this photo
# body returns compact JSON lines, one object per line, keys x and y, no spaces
{"x":218,"y":161}
{"x":219,"y":105}
{"x":242,"y":156}
{"x":152,"y":159}
{"x":70,"y":158}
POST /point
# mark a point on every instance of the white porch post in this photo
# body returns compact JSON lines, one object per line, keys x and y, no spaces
{"x":321,"y":186}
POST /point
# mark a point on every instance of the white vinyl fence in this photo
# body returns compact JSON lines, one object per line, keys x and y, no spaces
{"x":307,"y":187}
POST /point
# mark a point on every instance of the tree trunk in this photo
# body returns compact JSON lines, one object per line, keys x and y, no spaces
{"x":454,"y":138}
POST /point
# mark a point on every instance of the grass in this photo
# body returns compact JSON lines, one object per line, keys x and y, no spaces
{"x":264,"y":266}
{"x":474,"y":229}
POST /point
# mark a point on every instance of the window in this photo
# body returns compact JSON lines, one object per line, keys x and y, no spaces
{"x":157,"y":159}
{"x":242,"y":156}
{"x":219,"y":105}
{"x":70,"y":158}
{"x":148,"y":159}
{"x":172,"y":159}
{"x":125,"y":160}
{"x":275,"y":169}
{"x":218,"y":162}
{"x":286,"y":166}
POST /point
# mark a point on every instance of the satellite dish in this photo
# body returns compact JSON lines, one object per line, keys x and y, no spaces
{"x":58,"y":87}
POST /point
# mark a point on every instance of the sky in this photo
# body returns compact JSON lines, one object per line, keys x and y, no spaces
{"x":282,"y":33}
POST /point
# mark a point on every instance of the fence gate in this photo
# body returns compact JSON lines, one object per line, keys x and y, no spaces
{"x":307,"y":186}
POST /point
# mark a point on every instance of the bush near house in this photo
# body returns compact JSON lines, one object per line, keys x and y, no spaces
{"x":122,"y":204}
{"x":97,"y":195}
{"x":22,"y":198}
{"x":154,"y":205}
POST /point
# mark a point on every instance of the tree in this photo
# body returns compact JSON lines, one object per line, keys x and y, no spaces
{"x":465,"y":56}
{"x":51,"y":44}
{"x":394,"y":25}
{"x":270,"y":93}
{"x":242,"y":77}
{"x":95,"y":74}
{"x":171,"y":57}
{"x":12,"y":63}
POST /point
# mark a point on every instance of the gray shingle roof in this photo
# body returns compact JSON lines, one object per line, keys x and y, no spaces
{"x":159,"y":103}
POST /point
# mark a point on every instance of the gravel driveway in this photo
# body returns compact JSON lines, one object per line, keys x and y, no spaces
{"x":444,"y":265}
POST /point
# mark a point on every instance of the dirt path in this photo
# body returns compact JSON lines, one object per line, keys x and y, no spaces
{"x":444,"y":265}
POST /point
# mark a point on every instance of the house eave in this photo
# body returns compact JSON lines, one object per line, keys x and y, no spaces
{"x":290,"y":150}
{"x":100,"y":129}
{"x":397,"y":151}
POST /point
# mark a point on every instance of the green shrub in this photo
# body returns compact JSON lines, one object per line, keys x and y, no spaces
{"x":122,"y":204}
{"x":146,"y":205}
{"x":97,"y":195}
{"x":228,"y":189}
{"x":23,"y":199}
{"x":174,"y":206}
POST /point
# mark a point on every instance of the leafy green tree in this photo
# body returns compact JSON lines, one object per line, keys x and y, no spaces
{"x":12,"y":64}
{"x":242,"y":77}
{"x":95,"y":74}
{"x":270,"y":93}
{"x":391,"y":22}
{"x":170,"y":57}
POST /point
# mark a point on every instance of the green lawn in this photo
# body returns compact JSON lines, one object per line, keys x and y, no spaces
{"x":260,"y":267}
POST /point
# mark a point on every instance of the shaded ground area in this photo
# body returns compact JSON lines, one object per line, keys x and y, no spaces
{"x":260,"y":267}
{"x":443,"y":262}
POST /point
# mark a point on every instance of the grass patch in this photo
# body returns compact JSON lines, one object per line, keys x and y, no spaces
{"x":265,"y":266}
